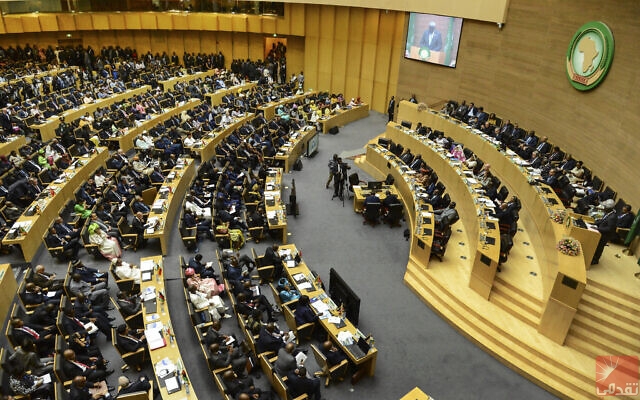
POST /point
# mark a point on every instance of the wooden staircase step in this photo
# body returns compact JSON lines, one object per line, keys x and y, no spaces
{"x":605,"y":339}
{"x":603,"y":334}
{"x":539,"y":304}
{"x":595,"y":307}
{"x":573,"y":380}
{"x":633,"y":300}
{"x":620,"y":305}
{"x":505,"y":301}
{"x":525,"y":302}
{"x":624,"y":329}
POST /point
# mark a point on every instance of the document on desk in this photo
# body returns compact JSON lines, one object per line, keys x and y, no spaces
{"x":147,"y":265}
{"x":320,"y":306}
{"x":149,"y":293}
{"x":305,"y":286}
{"x":155,"y":340}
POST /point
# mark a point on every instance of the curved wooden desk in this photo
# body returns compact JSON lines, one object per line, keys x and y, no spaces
{"x":420,"y":213}
{"x":48,"y":129}
{"x":211,"y":140}
{"x":168,"y":201}
{"x":13,"y":143}
{"x":36,"y":225}
{"x":295,"y":147}
{"x":343,"y":117}
{"x":274,"y":208}
{"x":171,"y":82}
{"x":269,"y":109}
{"x":161,"y":315}
{"x":215,"y":98}
{"x":367,"y":363}
{"x":483,"y":232}
{"x":127,"y":140}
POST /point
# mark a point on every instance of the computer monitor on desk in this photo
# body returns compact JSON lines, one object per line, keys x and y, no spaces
{"x":342,"y":294}
{"x":374,"y":185}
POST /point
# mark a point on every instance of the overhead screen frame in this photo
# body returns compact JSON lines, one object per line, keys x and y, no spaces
{"x":417,"y":25}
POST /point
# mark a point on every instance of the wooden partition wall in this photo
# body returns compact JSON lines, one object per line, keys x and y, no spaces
{"x":519,"y":73}
{"x":351,"y":50}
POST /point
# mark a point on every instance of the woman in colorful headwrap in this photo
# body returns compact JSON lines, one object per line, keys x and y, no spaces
{"x":107,"y":245}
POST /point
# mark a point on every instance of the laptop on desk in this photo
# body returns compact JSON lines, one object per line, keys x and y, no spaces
{"x":359,"y":349}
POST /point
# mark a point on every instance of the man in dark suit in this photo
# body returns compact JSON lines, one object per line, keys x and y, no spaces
{"x":71,"y":324}
{"x":79,"y":389}
{"x":431,"y":38}
{"x":139,"y":385}
{"x":44,"y":315}
{"x":236,"y":385}
{"x":128,"y":305}
{"x":299,"y":384}
{"x":55,"y":240}
{"x":71,"y":366}
{"x":138,"y":226}
{"x":607,"y":228}
{"x":269,"y":339}
{"x":139,"y":206}
{"x":392,"y":108}
{"x":42,"y":337}
{"x":333,"y":355}
{"x":65,"y":230}
{"x":271,"y":257}
{"x":625,"y":219}
{"x":128,"y":340}
{"x":543,"y":146}
{"x":33,"y":295}
{"x":221,"y":357}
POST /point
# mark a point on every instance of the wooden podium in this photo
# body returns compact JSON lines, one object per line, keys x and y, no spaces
{"x":436,"y":57}
{"x":563,"y":301}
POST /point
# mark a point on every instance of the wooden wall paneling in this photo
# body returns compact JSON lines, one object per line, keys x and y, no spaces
{"x":312,"y":39}
{"x":66,"y":22}
{"x":483,"y":10}
{"x":209,"y":21}
{"x":325,"y":47}
{"x":383,"y":60}
{"x":48,"y":22}
{"x":268,"y":24}
{"x":132,"y":20}
{"x":207,"y":42}
{"x":192,"y":42}
{"x":30,"y":23}
{"x":240,"y":45}
{"x":355,"y":33}
{"x":340,"y":46}
{"x":3,"y":28}
{"x":106,"y":38}
{"x":143,"y":42}
{"x":126,"y":39}
{"x":148,"y":20}
{"x":254,"y":23}
{"x":397,"y":51}
{"x":84,"y":22}
{"x":117,"y":21}
{"x":369,"y":49}
{"x":175,"y":42}
{"x":283,"y":24}
{"x":295,"y":55}
{"x":297,"y":13}
{"x":239,"y":23}
{"x":164,"y":21}
{"x":256,"y":47}
{"x":100,"y":21}
{"x":92,"y":38}
{"x":224,"y":22}
{"x":158,"y":42}
{"x":194,"y":21}
{"x":13,"y":23}
{"x":225,"y":45}
{"x":180,"y":22}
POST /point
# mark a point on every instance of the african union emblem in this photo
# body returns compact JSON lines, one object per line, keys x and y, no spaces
{"x":589,"y":55}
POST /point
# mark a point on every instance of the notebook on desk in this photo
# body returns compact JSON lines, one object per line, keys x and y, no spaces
{"x":151,"y":306}
{"x":490,"y":240}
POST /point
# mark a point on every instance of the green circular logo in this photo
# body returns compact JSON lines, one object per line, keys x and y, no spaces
{"x":589,"y":55}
